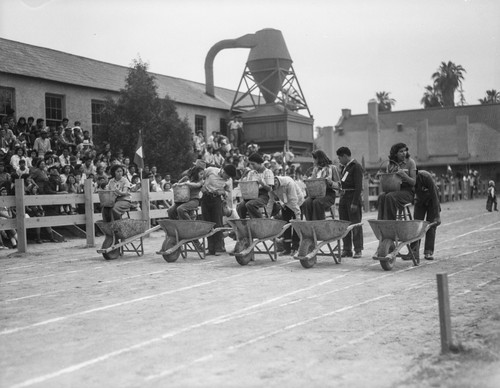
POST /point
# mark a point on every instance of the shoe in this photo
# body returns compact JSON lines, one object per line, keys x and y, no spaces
{"x":38,"y":241}
{"x":53,"y":240}
{"x":210,"y":253}
{"x":346,"y":254}
{"x":221,"y":250}
{"x":428,"y":256}
{"x":357,"y":255}
{"x":285,"y":253}
{"x":293,"y":252}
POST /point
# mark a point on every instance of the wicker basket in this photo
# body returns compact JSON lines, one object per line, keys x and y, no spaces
{"x":316,"y":188}
{"x":182,"y":193}
{"x":107,"y":198}
{"x":249,"y":189}
{"x":390,"y":182}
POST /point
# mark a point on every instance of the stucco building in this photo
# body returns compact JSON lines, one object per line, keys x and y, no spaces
{"x":463,"y":137}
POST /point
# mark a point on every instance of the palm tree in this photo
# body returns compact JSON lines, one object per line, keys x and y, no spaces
{"x":385,"y":103}
{"x":447,"y":80}
{"x":492,"y":97}
{"x":431,"y":98}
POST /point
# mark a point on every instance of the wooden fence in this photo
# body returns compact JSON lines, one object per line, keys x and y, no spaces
{"x":449,"y":191}
{"x":455,"y":190}
{"x":22,"y":223}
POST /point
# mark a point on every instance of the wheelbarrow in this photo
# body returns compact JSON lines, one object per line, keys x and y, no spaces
{"x":250,"y":232}
{"x":120,"y":236}
{"x":314,"y":235}
{"x":181,"y":237}
{"x":394,"y":235}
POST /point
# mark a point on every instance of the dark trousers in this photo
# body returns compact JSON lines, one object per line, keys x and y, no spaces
{"x":389,"y":203}
{"x":292,"y":239}
{"x":252,"y":206}
{"x":211,"y":210}
{"x":356,"y":234}
{"x":424,"y":212}
{"x":315,"y":207}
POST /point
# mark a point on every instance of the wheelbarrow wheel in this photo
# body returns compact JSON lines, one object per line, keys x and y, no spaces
{"x":172,"y":257}
{"x":111,"y":255}
{"x":306,"y":248}
{"x":240,"y":246}
{"x":244,"y":259}
{"x":385,"y":248}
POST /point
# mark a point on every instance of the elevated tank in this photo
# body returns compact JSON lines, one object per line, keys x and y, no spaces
{"x":267,"y":61}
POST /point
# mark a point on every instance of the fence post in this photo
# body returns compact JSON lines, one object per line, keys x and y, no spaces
{"x":89,"y":213}
{"x":443,"y":194}
{"x":145,"y":202}
{"x":22,"y":239}
{"x":366,"y":193}
{"x":444,"y":312}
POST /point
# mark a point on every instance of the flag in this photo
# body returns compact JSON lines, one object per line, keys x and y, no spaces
{"x":139,"y":156}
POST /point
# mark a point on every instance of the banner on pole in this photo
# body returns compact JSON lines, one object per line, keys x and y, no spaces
{"x":139,"y":156}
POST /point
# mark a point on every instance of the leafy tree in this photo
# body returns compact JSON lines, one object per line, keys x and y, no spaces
{"x":447,"y":79}
{"x":492,"y":97}
{"x":385,"y":102}
{"x":166,"y":138}
{"x":432,"y":98}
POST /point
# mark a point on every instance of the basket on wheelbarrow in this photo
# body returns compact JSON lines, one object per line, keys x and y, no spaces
{"x":182,"y":193}
{"x":107,"y":198}
{"x":316,"y":188}
{"x":116,"y":232}
{"x":249,"y":189}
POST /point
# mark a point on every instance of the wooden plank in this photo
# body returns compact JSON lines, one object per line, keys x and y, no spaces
{"x":22,"y":239}
{"x":56,"y":199}
{"x":89,"y":212}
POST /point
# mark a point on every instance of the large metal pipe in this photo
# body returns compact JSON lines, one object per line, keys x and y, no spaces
{"x":267,"y":60}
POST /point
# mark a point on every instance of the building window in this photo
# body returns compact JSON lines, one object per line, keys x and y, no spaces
{"x":97,"y":109}
{"x":199,"y":123}
{"x":223,"y":126}
{"x":6,"y":102}
{"x":53,"y":110}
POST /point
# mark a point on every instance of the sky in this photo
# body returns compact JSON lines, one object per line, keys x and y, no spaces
{"x":343,"y":51}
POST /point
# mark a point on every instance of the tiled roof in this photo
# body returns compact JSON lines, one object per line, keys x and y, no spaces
{"x":39,"y":62}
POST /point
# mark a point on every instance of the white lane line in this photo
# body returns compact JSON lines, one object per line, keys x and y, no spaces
{"x":263,"y":337}
{"x":141,"y":299}
{"x":73,"y":368}
{"x":266,"y":336}
{"x":40,"y":277}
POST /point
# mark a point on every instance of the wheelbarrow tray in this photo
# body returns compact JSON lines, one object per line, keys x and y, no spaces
{"x":399,"y":230}
{"x":394,"y":235}
{"x":123,"y":228}
{"x":126,"y":231}
{"x":250,"y":232}
{"x":259,"y":228}
{"x":186,"y":229}
{"x":316,"y":234}
{"x":324,"y":230}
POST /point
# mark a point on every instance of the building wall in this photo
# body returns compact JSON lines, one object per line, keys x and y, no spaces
{"x":465,"y":137}
{"x":29,"y":98}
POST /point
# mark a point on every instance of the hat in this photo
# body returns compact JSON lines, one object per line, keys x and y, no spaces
{"x":230,"y":170}
{"x":68,"y":129}
{"x":256,"y":158}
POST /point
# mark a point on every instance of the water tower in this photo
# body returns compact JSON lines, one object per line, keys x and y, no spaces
{"x":269,"y":94}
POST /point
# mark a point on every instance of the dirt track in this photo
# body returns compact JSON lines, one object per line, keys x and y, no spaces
{"x":70,"y":318}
